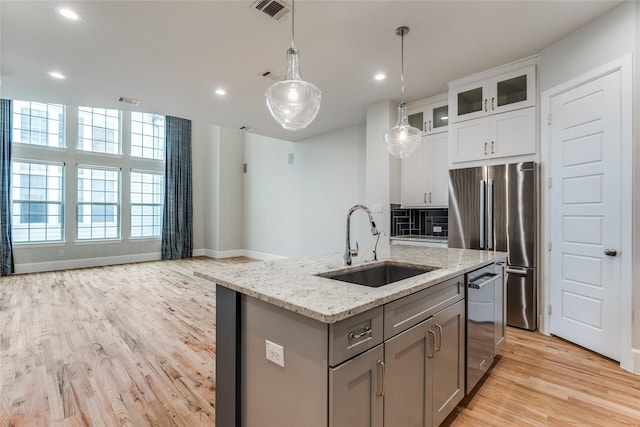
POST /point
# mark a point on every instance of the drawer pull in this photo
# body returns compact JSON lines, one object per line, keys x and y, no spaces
{"x":439,"y":336}
{"x":384,"y":377}
{"x":432,"y":344}
{"x":367,"y":331}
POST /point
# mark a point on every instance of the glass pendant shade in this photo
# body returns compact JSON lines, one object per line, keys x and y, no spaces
{"x":293,"y":103}
{"x":402,"y":139}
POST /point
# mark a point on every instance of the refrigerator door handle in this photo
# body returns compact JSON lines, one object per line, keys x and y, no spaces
{"x":482,"y":219}
{"x":490,"y":214}
{"x":517,"y":270}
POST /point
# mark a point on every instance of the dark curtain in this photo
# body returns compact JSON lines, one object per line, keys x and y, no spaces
{"x":6,"y":251}
{"x":177,"y":223}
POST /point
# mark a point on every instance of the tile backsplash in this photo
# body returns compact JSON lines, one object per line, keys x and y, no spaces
{"x":420,"y":221}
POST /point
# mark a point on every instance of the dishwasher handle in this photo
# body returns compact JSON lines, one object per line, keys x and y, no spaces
{"x":484,"y":280}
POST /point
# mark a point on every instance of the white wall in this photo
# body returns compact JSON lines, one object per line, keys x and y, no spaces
{"x":604,"y":40}
{"x":380,"y":165}
{"x":300,"y":209}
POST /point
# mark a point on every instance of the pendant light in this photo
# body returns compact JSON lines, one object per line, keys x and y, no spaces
{"x":293,"y":103}
{"x":402,"y":139}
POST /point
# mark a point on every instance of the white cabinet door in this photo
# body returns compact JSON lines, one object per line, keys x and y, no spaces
{"x":513,"y":90}
{"x":424,"y":174}
{"x":468,"y":140}
{"x":513,"y":133}
{"x":412,"y":177}
{"x":438,"y":178}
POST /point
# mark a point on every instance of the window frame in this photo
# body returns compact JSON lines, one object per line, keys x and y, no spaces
{"x":160,"y":138}
{"x":46,"y":202}
{"x":62,"y":120}
{"x":159,"y":205}
{"x":80,"y":138}
{"x":117,"y":204}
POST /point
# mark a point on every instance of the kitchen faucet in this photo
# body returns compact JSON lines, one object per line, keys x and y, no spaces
{"x":348,"y":252}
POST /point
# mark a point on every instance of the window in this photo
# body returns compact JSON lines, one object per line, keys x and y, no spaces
{"x":37,"y":202}
{"x":147,"y":194}
{"x":38,"y":124}
{"x":147,"y":136}
{"x":99,"y":130}
{"x":98,"y":203}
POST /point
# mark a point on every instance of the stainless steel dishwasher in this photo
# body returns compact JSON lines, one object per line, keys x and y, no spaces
{"x":481,"y":301}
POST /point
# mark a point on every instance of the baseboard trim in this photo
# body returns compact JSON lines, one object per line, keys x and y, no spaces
{"x":263,"y":256}
{"x":38,"y":267}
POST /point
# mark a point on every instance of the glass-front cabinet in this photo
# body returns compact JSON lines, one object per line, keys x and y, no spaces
{"x":505,"y":92}
{"x":430,"y":115}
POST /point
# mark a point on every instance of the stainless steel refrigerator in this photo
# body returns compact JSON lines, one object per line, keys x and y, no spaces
{"x":495,"y":208}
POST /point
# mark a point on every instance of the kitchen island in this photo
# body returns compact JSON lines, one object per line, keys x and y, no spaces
{"x":297,"y":348}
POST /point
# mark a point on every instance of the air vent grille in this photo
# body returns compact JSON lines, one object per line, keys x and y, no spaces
{"x":273,"y":8}
{"x":272,"y":75}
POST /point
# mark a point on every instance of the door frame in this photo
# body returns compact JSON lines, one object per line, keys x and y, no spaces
{"x":624,"y":65}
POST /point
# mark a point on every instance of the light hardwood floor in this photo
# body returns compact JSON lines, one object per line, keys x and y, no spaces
{"x":134,"y":345}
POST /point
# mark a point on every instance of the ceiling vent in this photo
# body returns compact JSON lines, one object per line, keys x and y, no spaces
{"x":272,"y":75}
{"x":273,"y":8}
{"x":131,"y":101}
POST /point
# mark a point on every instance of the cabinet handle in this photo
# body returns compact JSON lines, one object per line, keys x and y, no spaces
{"x":492,"y":101}
{"x":439,"y":327}
{"x":485,"y":148}
{"x":429,"y":124}
{"x":425,"y":198}
{"x":366,"y":331}
{"x":424,"y":126}
{"x":432,"y":344}
{"x":380,"y":363}
{"x":491,"y":147}
{"x":485,"y":105}
{"x":429,"y":198}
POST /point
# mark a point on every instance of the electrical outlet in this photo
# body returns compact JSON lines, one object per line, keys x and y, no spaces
{"x":275,"y":353}
{"x":376,"y":207}
{"x":437,"y":229}
{"x":60,"y":252}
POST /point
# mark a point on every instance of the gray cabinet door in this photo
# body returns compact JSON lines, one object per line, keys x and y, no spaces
{"x":448,"y":362}
{"x":356,"y":391}
{"x":408,"y":359}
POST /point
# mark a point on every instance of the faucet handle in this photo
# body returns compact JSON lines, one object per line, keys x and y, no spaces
{"x":354,"y":252}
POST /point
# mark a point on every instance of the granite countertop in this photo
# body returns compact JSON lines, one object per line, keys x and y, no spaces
{"x":421,"y":238}
{"x":293,"y":283}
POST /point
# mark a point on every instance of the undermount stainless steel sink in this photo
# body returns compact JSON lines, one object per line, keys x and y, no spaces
{"x":378,"y":274}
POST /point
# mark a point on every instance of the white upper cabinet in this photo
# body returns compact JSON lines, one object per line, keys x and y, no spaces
{"x":493,"y":114}
{"x":430,"y":115}
{"x":425,"y":174}
{"x":497,"y":94}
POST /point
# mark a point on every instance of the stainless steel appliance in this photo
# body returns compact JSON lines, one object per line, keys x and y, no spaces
{"x":495,"y":208}
{"x":481,"y":321}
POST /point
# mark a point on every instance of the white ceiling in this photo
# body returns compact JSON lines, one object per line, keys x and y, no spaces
{"x":172,"y":55}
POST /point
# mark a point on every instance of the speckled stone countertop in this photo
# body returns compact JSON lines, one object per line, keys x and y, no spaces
{"x":420,"y":238}
{"x":293,"y":283}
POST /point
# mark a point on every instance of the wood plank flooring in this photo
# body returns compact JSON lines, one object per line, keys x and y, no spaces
{"x":134,"y":345}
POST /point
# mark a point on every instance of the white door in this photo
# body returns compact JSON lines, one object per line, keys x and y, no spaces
{"x":585,"y":214}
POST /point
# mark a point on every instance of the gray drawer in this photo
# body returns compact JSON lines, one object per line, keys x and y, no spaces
{"x":354,"y":335}
{"x":401,"y":314}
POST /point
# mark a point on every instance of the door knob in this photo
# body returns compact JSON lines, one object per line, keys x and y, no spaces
{"x":610,"y":252}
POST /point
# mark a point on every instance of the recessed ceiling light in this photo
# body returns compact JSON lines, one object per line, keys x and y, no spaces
{"x":56,"y":75}
{"x":69,"y":14}
{"x":221,"y":92}
{"x":380,"y":76}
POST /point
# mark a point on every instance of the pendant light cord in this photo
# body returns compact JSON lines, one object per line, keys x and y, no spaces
{"x":402,"y":66}
{"x":293,"y":21}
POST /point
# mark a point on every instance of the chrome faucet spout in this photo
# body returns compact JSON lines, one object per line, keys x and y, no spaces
{"x":348,"y":252}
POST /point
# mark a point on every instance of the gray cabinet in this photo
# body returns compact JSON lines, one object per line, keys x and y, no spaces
{"x":448,"y":361}
{"x":425,"y":370}
{"x":399,"y":364}
{"x":357,"y":390}
{"x":500,"y":332}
